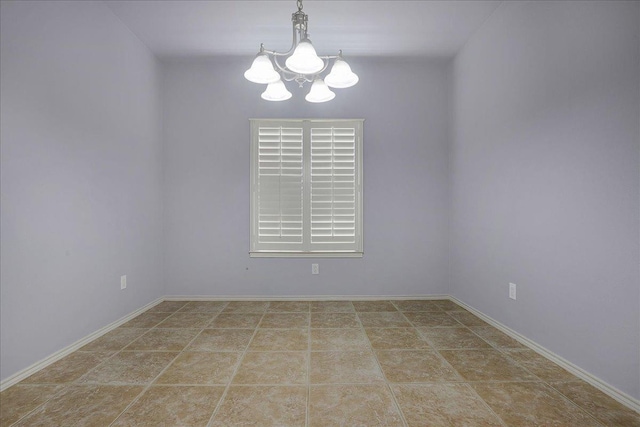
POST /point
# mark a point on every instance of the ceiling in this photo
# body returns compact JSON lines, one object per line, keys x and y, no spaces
{"x":360,"y":28}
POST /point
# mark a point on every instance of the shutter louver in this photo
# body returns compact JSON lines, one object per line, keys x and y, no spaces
{"x":333,"y":186}
{"x":280,"y":186}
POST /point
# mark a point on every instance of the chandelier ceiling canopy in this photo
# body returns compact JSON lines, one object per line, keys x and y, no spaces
{"x":302,"y":65}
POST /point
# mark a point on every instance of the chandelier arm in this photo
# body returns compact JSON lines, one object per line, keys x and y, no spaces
{"x":298,"y":78}
{"x":325,"y":60}
{"x":294,"y":43}
{"x":309,"y":78}
{"x":275,"y":53}
{"x":287,"y":72}
{"x":280,"y":67}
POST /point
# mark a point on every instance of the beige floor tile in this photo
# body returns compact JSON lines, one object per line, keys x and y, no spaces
{"x":352,"y":405}
{"x":334,"y":320}
{"x":265,"y":359}
{"x":201,"y":368}
{"x":443,"y":405}
{"x":130,"y":367}
{"x":339,"y":339}
{"x":246,"y":307}
{"x":289,"y":306}
{"x":18,"y":400}
{"x":115,"y":340}
{"x":242,"y":320}
{"x":185,"y":406}
{"x":221,"y":340}
{"x":264,"y":406}
{"x":416,"y":305}
{"x":187,"y":320}
{"x":146,"y":320}
{"x":539,"y":365}
{"x":339,"y":367}
{"x":203,"y":307}
{"x":332,"y":306}
{"x":167,"y":307}
{"x":445,"y":304}
{"x":270,"y":368}
{"x":164,"y":340}
{"x":285,"y":320}
{"x":466,"y":318}
{"x":396,"y":338}
{"x":532,"y":404}
{"x":69,"y":368}
{"x":415,"y":366}
{"x":496,"y":338}
{"x":485,"y":365}
{"x":383,"y":320}
{"x":83,"y":405}
{"x":374,"y":306}
{"x":431,"y":319}
{"x":280,"y":340}
{"x":452,"y":338}
{"x":598,"y":404}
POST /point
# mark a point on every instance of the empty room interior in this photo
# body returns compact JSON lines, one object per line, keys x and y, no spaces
{"x":401,"y":213}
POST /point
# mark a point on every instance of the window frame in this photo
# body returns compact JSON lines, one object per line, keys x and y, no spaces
{"x":257,"y":249}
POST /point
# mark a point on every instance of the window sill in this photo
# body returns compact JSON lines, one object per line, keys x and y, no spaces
{"x":306,"y":254}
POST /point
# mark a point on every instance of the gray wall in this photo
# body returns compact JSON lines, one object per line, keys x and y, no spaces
{"x":544,"y":166}
{"x":80,"y":176}
{"x":207,"y":105}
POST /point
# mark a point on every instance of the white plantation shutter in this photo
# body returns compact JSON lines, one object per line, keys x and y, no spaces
{"x":306,"y":187}
{"x":280,"y":187}
{"x":333,"y":186}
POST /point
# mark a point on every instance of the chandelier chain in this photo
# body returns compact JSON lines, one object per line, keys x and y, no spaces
{"x":299,"y":5}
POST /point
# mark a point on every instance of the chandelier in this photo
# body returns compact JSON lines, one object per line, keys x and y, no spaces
{"x":303,"y":66}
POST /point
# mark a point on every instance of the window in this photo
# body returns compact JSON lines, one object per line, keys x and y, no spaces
{"x":306,"y":188}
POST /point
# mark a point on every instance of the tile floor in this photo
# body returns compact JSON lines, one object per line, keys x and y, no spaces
{"x":296,"y":363}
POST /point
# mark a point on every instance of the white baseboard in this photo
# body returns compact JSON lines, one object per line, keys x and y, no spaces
{"x":302,"y":297}
{"x":607,"y":389}
{"x":41,"y":364}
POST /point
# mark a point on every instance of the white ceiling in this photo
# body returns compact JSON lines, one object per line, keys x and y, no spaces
{"x":363,"y":28}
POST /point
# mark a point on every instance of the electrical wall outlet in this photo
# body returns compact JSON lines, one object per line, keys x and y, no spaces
{"x":315,"y":269}
{"x":123,"y":282}
{"x":512,"y":290}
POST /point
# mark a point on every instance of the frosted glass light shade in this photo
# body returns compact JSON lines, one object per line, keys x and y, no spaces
{"x":319,"y":92}
{"x":276,"y":92}
{"x":304,"y":60}
{"x":341,"y":75}
{"x":262,"y":71}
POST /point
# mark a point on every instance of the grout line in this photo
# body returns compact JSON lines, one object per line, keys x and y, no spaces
{"x":486,"y":405}
{"x":609,"y":390}
{"x":434,"y":349}
{"x":384,"y":377}
{"x":25,"y":373}
{"x":64,"y":387}
{"x":235,"y":371}
{"x":504,"y":351}
{"x":149,"y":385}
{"x":155,"y":327}
{"x":575,"y":404}
{"x":462,"y":379}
